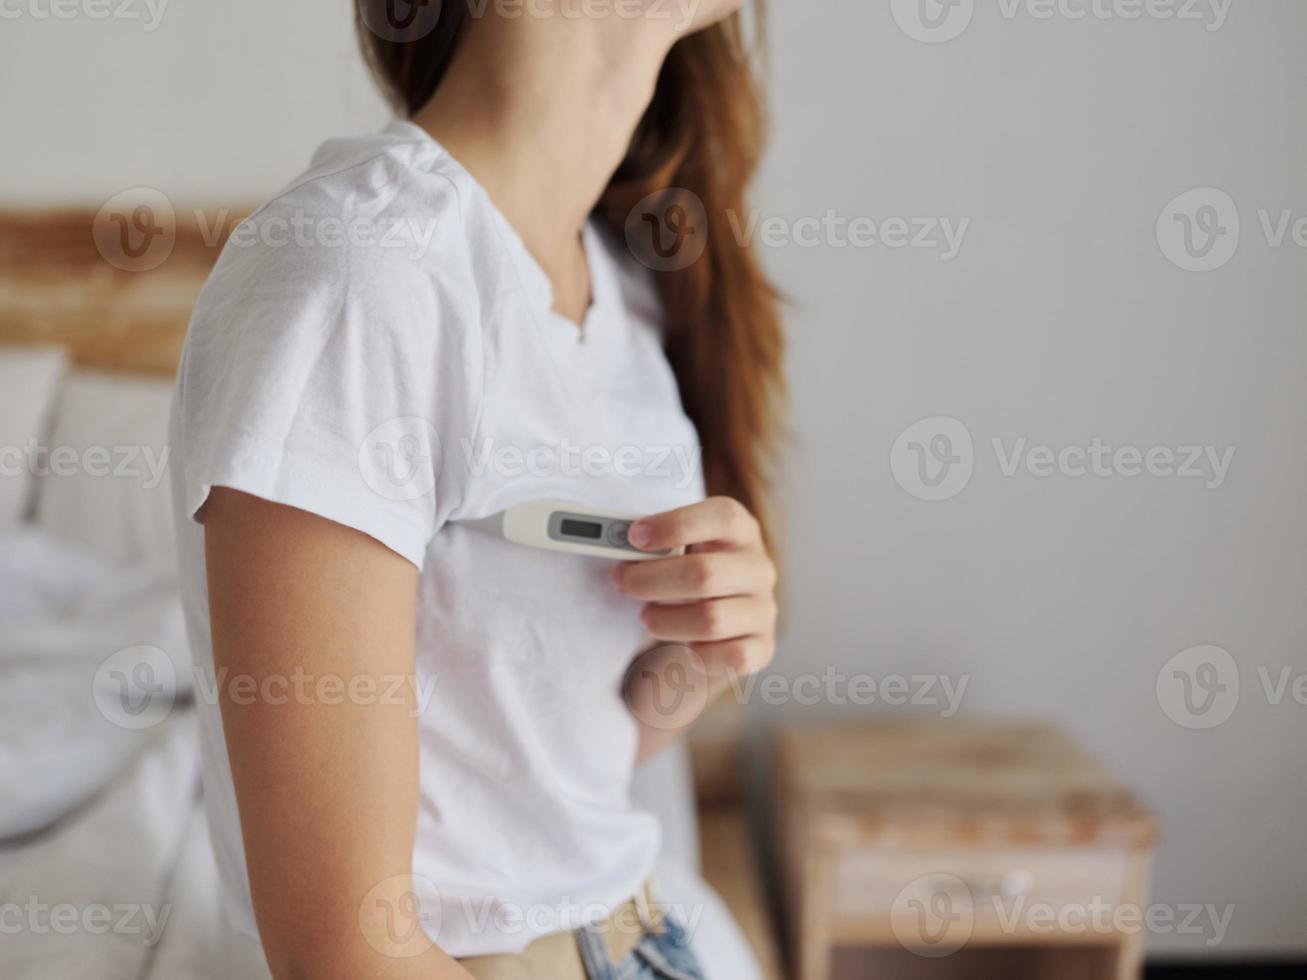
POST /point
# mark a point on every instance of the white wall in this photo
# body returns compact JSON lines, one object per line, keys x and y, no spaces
{"x":1060,"y":320}
{"x":206,"y":102}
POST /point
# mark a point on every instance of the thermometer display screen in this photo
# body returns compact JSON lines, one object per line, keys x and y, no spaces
{"x":581,"y":529}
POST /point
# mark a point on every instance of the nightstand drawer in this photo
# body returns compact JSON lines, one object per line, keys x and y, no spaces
{"x":989,"y":844}
{"x":995,"y":897}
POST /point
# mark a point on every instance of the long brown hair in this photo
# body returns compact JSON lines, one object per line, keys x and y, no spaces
{"x":702,"y":133}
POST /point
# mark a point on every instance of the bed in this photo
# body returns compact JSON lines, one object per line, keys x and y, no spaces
{"x":105,"y":867}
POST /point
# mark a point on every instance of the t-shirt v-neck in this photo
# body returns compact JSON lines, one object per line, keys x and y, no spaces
{"x":577,"y":345}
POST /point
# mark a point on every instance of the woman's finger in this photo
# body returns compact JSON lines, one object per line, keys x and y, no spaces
{"x":703,"y":575}
{"x":712,"y":619}
{"x":742,"y":655}
{"x":715,"y":520}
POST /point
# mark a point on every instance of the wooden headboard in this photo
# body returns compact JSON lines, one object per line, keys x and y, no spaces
{"x":115,"y":287}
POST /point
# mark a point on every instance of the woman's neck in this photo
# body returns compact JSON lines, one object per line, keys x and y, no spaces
{"x":541,"y":111}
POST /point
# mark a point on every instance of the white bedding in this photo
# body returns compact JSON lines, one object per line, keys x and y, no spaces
{"x":88,"y":896}
{"x":92,"y":811}
{"x":192,"y":945}
{"x":63,"y":613}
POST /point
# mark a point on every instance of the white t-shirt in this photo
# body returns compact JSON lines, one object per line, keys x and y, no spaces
{"x":377,"y":346}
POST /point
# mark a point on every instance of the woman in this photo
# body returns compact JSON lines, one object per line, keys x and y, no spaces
{"x":418,"y":758}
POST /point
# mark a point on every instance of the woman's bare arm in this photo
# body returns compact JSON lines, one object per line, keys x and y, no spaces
{"x":313,"y":641}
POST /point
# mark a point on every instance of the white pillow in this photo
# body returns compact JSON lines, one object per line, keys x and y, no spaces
{"x":106,"y":486}
{"x":29,"y":382}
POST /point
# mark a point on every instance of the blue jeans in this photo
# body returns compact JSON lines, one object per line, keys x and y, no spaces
{"x":662,"y":954}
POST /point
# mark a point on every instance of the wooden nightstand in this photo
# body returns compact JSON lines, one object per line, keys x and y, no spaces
{"x":957,"y":849}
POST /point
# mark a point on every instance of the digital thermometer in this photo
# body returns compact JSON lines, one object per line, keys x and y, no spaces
{"x":573,"y":528}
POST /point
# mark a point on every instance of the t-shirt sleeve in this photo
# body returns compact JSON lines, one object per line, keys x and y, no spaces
{"x":333,"y":381}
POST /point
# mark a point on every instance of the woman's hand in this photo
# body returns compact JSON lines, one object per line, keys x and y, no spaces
{"x":718,"y":597}
{"x":717,"y":600}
